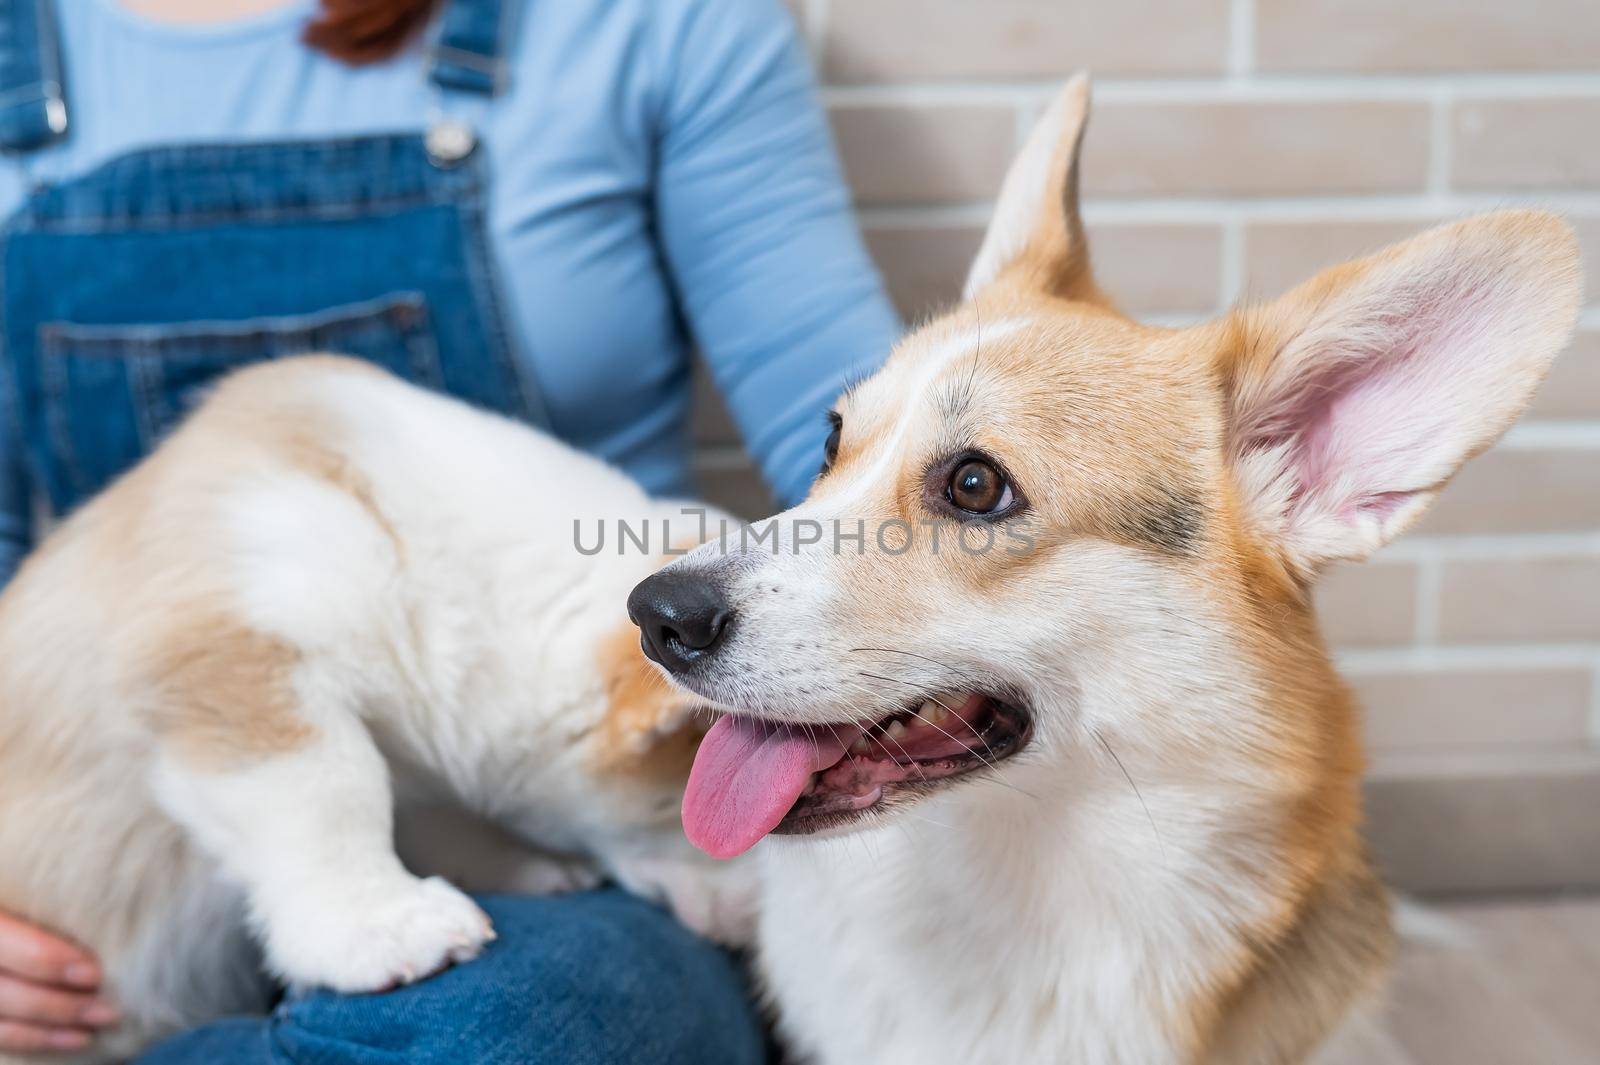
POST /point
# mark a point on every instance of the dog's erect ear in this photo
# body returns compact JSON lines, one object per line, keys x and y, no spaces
{"x":1036,"y":234}
{"x":1354,"y":398}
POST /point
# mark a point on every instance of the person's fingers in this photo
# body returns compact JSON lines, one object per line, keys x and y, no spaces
{"x":21,"y":1038}
{"x":36,"y":955}
{"x":38,"y":1004}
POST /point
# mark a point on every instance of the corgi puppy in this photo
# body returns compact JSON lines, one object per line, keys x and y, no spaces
{"x":327,"y":592}
{"x":1028,"y":714}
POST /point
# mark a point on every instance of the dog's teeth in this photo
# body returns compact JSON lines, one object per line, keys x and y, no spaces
{"x":932,"y":712}
{"x":861,"y":746}
{"x":895,"y":730}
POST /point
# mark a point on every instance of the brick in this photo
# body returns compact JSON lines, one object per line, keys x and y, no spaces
{"x":1253,"y":147}
{"x":1158,"y":268}
{"x":924,"y":267}
{"x":1475,"y":707}
{"x":917,"y":40}
{"x":936,"y":154}
{"x":1573,"y":388}
{"x":1526,"y":143}
{"x":1556,"y":599}
{"x":1374,"y":603}
{"x":1147,"y":269}
{"x":1280,"y":255}
{"x":1426,"y":35}
{"x":1588,"y":230}
{"x":1487,"y":821}
{"x":1520,"y":490}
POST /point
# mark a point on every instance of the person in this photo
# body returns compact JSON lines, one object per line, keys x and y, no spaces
{"x":540,"y":207}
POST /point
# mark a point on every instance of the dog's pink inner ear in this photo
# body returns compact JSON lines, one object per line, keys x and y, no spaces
{"x":1359,"y":424}
{"x":1367,"y":388}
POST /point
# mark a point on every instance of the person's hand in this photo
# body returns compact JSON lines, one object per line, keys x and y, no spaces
{"x":47,"y":991}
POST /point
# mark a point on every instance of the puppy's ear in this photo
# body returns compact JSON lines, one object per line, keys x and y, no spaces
{"x":1036,"y":235}
{"x":1354,"y":398}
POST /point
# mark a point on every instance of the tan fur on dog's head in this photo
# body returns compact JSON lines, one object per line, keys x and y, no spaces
{"x":1208,"y":472}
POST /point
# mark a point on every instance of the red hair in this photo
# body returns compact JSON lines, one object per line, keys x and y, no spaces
{"x":365,"y":31}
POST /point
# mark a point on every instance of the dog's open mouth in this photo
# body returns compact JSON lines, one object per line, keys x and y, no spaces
{"x":753,"y":776}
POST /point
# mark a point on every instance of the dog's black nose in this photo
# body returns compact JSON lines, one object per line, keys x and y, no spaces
{"x":680,"y":616}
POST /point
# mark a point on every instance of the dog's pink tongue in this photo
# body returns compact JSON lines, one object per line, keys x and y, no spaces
{"x":747,"y":775}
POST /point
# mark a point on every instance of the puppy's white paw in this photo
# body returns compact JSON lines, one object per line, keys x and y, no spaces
{"x":374,"y":941}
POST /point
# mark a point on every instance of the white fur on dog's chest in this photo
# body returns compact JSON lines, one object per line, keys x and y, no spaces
{"x":922,"y":966}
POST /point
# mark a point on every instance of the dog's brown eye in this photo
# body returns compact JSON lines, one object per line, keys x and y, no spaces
{"x":830,"y":449}
{"x":979,"y":488}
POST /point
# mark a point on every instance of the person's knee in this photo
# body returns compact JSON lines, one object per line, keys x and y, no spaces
{"x":622,"y":981}
{"x":598,"y":976}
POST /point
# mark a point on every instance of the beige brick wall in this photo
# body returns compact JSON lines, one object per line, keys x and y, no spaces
{"x":1238,"y":145}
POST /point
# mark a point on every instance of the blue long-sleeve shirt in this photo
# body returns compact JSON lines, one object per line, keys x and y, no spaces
{"x":661,"y":179}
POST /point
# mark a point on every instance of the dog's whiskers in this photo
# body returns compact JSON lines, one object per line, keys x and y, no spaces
{"x":931,"y":821}
{"x":837,"y":740}
{"x":897,"y":651}
{"x":917,"y":713}
{"x":970,"y":388}
{"x":863,"y":689}
{"x":969,"y":750}
{"x":925,"y":721}
{"x":1005,"y":784}
{"x":1137,"y":793}
{"x":935,"y":698}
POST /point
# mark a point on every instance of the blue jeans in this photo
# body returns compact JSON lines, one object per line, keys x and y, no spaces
{"x":585,"y":979}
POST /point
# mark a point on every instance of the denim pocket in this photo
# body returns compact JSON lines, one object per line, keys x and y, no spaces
{"x":111,"y":392}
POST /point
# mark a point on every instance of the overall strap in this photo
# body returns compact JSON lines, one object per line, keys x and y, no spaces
{"x":467,"y":53}
{"x":33,"y":107}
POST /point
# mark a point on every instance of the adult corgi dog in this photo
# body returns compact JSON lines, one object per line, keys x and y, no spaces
{"x":1029,"y":692}
{"x":327,"y":592}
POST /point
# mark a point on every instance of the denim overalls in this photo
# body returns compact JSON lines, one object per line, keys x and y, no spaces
{"x":127,"y":290}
